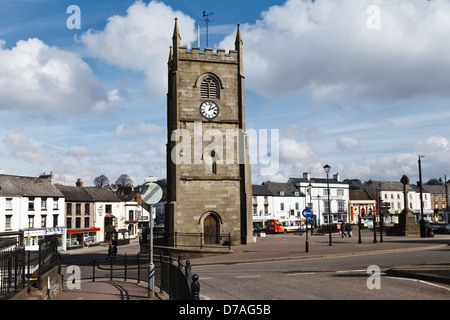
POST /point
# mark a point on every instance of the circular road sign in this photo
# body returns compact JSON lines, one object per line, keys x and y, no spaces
{"x":307,"y":213}
{"x":151,"y":193}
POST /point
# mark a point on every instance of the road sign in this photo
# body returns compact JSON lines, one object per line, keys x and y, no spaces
{"x":307,"y":213}
{"x":151,"y":193}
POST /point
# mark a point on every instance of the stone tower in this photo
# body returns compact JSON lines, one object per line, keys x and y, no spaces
{"x":208,"y":168}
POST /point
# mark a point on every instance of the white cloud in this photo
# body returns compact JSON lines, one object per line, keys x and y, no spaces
{"x":24,"y":148}
{"x":35,"y":76}
{"x":142,"y":129}
{"x":348,"y":143}
{"x":78,"y":151}
{"x":325,"y":46}
{"x":140,"y":41}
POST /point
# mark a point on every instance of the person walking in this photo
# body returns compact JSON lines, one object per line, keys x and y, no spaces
{"x":349,"y":229}
{"x":114,"y":251}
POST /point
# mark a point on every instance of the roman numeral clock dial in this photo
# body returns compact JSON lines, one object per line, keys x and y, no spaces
{"x":209,"y":110}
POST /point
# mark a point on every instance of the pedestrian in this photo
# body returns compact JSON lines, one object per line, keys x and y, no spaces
{"x":114,"y":251}
{"x":349,"y":229}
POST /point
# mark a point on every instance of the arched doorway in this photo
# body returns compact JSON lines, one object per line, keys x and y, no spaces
{"x":211,"y":230}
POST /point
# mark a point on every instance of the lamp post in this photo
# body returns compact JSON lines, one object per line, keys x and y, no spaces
{"x":446,"y":197}
{"x":327,"y":170}
{"x":422,"y":220}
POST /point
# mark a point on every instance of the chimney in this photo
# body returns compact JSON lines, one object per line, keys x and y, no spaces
{"x":337,"y":177}
{"x":79,"y":183}
{"x":307,"y":176}
{"x":48,"y":177}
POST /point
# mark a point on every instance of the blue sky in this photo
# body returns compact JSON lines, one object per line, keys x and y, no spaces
{"x":361,"y":85}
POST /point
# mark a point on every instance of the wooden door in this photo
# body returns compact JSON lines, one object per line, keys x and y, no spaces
{"x":210,"y":229}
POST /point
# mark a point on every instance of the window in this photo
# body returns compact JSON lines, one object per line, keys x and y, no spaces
{"x":340,"y":192}
{"x":209,"y":88}
{"x":8,"y":204}
{"x":44,"y":204}
{"x":43,"y":221}
{"x":108,"y":208}
{"x":30,"y":221}
{"x":55,"y":203}
{"x":297,"y":206}
{"x":69,"y":209}
{"x":78,"y":223}
{"x":8,"y":222}
{"x":86,"y":208}
{"x":86,"y":222}
{"x":69,"y":223}
{"x":325,"y":192}
{"x":30,"y":204}
{"x":341,"y":205}
{"x":326,"y":206}
{"x":55,"y":220}
{"x":255,"y":211}
{"x":282,"y":206}
{"x":78,"y":209}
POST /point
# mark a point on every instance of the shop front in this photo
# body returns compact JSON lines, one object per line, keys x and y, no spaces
{"x":80,"y":238}
{"x":32,"y":237}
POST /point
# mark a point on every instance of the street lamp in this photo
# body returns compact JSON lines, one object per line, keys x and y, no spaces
{"x":327,"y":170}
{"x":422,"y":220}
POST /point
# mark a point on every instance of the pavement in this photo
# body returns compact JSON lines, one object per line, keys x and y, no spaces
{"x":293,"y":247}
{"x":288,"y":247}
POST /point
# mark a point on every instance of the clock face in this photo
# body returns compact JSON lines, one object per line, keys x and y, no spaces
{"x":209,"y":109}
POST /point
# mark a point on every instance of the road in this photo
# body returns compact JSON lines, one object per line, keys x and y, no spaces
{"x":344,"y":278}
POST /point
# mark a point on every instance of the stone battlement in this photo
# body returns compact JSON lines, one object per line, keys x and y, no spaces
{"x":208,"y":54}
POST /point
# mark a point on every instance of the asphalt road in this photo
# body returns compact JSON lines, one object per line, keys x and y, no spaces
{"x":343,"y":278}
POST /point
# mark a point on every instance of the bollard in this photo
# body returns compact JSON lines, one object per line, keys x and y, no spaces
{"x":195,"y":288}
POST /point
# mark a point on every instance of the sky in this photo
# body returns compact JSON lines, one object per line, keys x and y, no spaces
{"x":360,"y":85}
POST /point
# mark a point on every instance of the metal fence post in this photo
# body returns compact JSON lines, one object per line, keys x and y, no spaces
{"x":195,"y":288}
{"x":139,"y":268}
{"x":201,"y":240}
{"x":110,"y":270}
{"x":93,"y":270}
{"x":187,"y":269}
{"x":125,"y":275}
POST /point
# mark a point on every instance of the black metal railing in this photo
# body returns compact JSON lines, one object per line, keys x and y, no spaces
{"x":19,"y":268}
{"x":172,"y":276}
{"x":183,"y":239}
{"x":12,"y":272}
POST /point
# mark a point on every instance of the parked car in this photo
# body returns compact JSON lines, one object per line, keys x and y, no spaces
{"x":439,"y":227}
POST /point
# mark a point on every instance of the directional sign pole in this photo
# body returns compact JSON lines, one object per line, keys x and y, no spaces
{"x":307,"y":241}
{"x":307,"y":214}
{"x":152,"y":195}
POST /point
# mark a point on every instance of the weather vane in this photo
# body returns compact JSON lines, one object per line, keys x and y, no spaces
{"x":207,"y":20}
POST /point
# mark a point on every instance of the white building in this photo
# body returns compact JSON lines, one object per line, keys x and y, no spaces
{"x":262,"y":205}
{"x":316,"y":191}
{"x":392,"y":192}
{"x":31,"y":209}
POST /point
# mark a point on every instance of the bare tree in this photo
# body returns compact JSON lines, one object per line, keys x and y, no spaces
{"x":101,"y":181}
{"x":124,"y":180}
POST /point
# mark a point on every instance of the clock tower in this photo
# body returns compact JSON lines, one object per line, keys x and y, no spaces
{"x":208,"y":169}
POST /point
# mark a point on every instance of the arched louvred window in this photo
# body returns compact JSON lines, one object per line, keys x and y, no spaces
{"x":210,"y":88}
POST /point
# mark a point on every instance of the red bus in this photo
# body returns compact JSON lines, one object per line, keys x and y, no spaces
{"x":283,"y":226}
